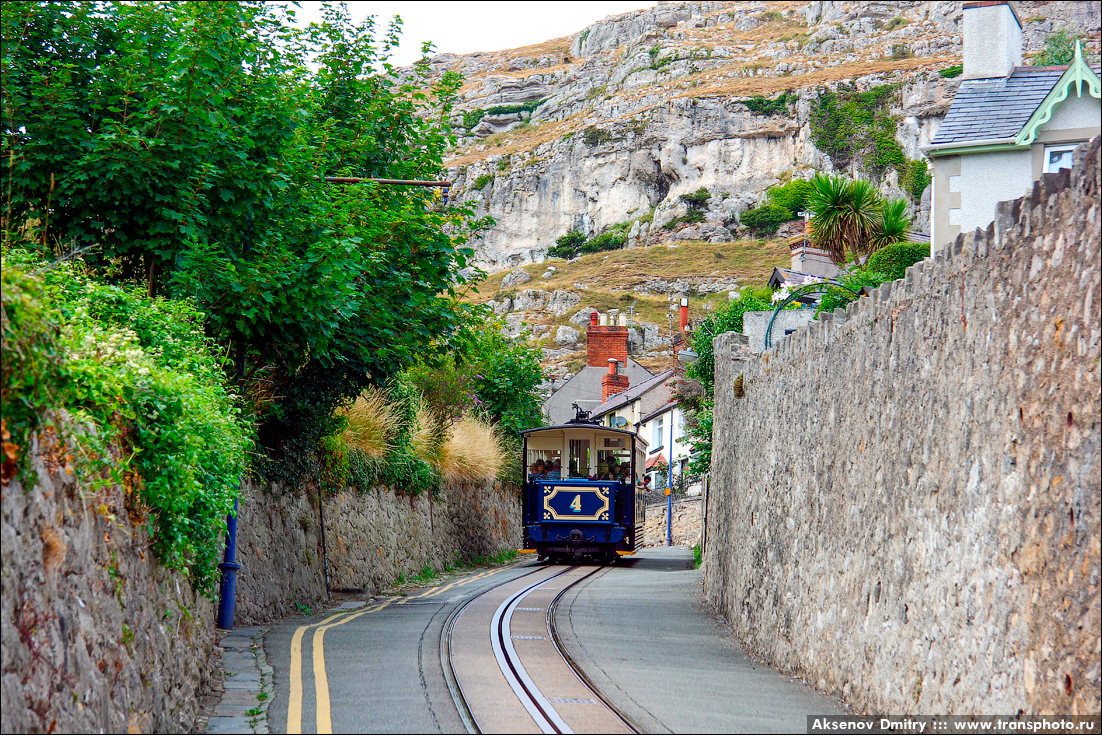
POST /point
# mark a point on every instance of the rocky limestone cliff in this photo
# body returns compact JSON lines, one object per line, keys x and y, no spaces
{"x":612,"y":124}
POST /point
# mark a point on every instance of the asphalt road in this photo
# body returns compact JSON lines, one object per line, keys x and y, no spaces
{"x":639,"y":630}
{"x":642,"y":633}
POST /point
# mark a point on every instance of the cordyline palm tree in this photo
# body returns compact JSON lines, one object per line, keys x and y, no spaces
{"x":894,"y":223}
{"x":846,"y":216}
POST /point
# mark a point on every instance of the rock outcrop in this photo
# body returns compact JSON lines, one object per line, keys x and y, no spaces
{"x":612,"y":124}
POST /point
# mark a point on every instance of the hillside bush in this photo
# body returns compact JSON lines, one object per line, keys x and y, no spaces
{"x":791,"y":196}
{"x":849,"y":125}
{"x":765,"y":220}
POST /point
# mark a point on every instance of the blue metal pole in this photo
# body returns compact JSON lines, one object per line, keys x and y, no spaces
{"x":229,"y":573}
{"x":669,"y":487}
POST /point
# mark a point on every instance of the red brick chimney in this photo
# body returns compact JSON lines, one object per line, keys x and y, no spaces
{"x":614,"y":382}
{"x":604,"y":343}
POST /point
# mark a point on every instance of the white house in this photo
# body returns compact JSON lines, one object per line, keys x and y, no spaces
{"x":651,"y":410}
{"x":1008,"y":123}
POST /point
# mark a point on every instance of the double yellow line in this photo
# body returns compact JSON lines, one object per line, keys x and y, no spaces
{"x":321,"y":681}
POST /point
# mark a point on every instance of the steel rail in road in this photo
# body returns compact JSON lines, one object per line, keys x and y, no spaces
{"x":538,"y":706}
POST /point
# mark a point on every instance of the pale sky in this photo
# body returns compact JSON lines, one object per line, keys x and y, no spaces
{"x":465,"y":27}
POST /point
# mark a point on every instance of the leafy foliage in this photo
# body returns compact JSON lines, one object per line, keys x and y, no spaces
{"x":575,"y":242}
{"x":851,"y":126}
{"x":594,"y":136}
{"x":140,"y":374}
{"x":693,"y":216}
{"x":951,"y":72}
{"x":845,"y":214}
{"x":792,"y":196}
{"x":1059,"y":49}
{"x":183,"y":144}
{"x":696,"y":199}
{"x":697,"y":392}
{"x":893,"y":260}
{"x":766,"y":106}
{"x":473,"y":117}
{"x":765,"y":220}
{"x":481,"y":182}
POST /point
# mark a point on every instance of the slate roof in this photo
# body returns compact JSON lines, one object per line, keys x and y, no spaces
{"x":999,"y":107}
{"x":585,"y":390}
{"x":630,"y":394}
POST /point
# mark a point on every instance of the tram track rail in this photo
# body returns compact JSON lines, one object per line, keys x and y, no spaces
{"x":539,"y":707}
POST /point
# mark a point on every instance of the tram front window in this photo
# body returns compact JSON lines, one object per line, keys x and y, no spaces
{"x":579,"y":459}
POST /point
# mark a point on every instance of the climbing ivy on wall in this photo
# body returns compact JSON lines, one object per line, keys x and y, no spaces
{"x":852,"y":126}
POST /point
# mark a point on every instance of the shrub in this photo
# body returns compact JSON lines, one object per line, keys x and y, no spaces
{"x":893,"y":260}
{"x":952,"y":71}
{"x":791,"y":196}
{"x":481,"y":182}
{"x":141,"y":372}
{"x":897,"y":22}
{"x":765,"y":219}
{"x":594,"y":136}
{"x":1059,"y":49}
{"x":608,"y":240}
{"x":765,"y":106}
{"x":697,"y":199}
{"x":567,"y":245}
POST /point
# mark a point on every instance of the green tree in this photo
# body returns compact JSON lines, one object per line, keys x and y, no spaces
{"x":185,"y":143}
{"x":696,"y":393}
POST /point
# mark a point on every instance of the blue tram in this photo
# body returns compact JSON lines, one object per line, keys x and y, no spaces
{"x":582,"y":491}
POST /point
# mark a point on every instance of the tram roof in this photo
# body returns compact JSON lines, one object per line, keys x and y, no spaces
{"x":587,"y":426}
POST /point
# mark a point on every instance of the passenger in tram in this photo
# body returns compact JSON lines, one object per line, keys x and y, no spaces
{"x":537,"y":471}
{"x":555,"y":473}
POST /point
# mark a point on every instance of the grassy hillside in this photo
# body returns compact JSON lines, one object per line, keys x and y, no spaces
{"x":608,"y":281}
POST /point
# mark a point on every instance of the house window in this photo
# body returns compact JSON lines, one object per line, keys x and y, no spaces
{"x":1058,"y":157}
{"x":656,"y":433}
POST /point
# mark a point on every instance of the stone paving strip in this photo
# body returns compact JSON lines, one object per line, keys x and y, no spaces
{"x":246,"y":685}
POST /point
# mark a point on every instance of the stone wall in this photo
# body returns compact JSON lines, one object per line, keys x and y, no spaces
{"x":96,"y":637}
{"x":371,"y":538}
{"x":687,"y":523}
{"x":905,"y":497}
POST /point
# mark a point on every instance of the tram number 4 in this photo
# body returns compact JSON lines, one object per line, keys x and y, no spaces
{"x":576,"y":504}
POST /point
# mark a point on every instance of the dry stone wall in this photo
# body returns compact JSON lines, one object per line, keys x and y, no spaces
{"x":905,"y":496}
{"x":370,"y":539}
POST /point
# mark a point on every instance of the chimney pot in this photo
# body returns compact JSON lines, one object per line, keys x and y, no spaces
{"x":604,"y":320}
{"x":593,"y":318}
{"x":612,"y":365}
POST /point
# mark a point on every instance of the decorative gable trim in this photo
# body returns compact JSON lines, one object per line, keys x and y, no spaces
{"x":1077,"y":73}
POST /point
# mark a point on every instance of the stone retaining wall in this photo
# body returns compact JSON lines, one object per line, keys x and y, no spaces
{"x":687,"y":523}
{"x":371,"y":538}
{"x":905,"y":497}
{"x":96,"y":636}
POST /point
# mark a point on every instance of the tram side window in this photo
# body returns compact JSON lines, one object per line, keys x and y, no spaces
{"x":579,"y":458}
{"x":614,"y":464}
{"x":544,"y":464}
